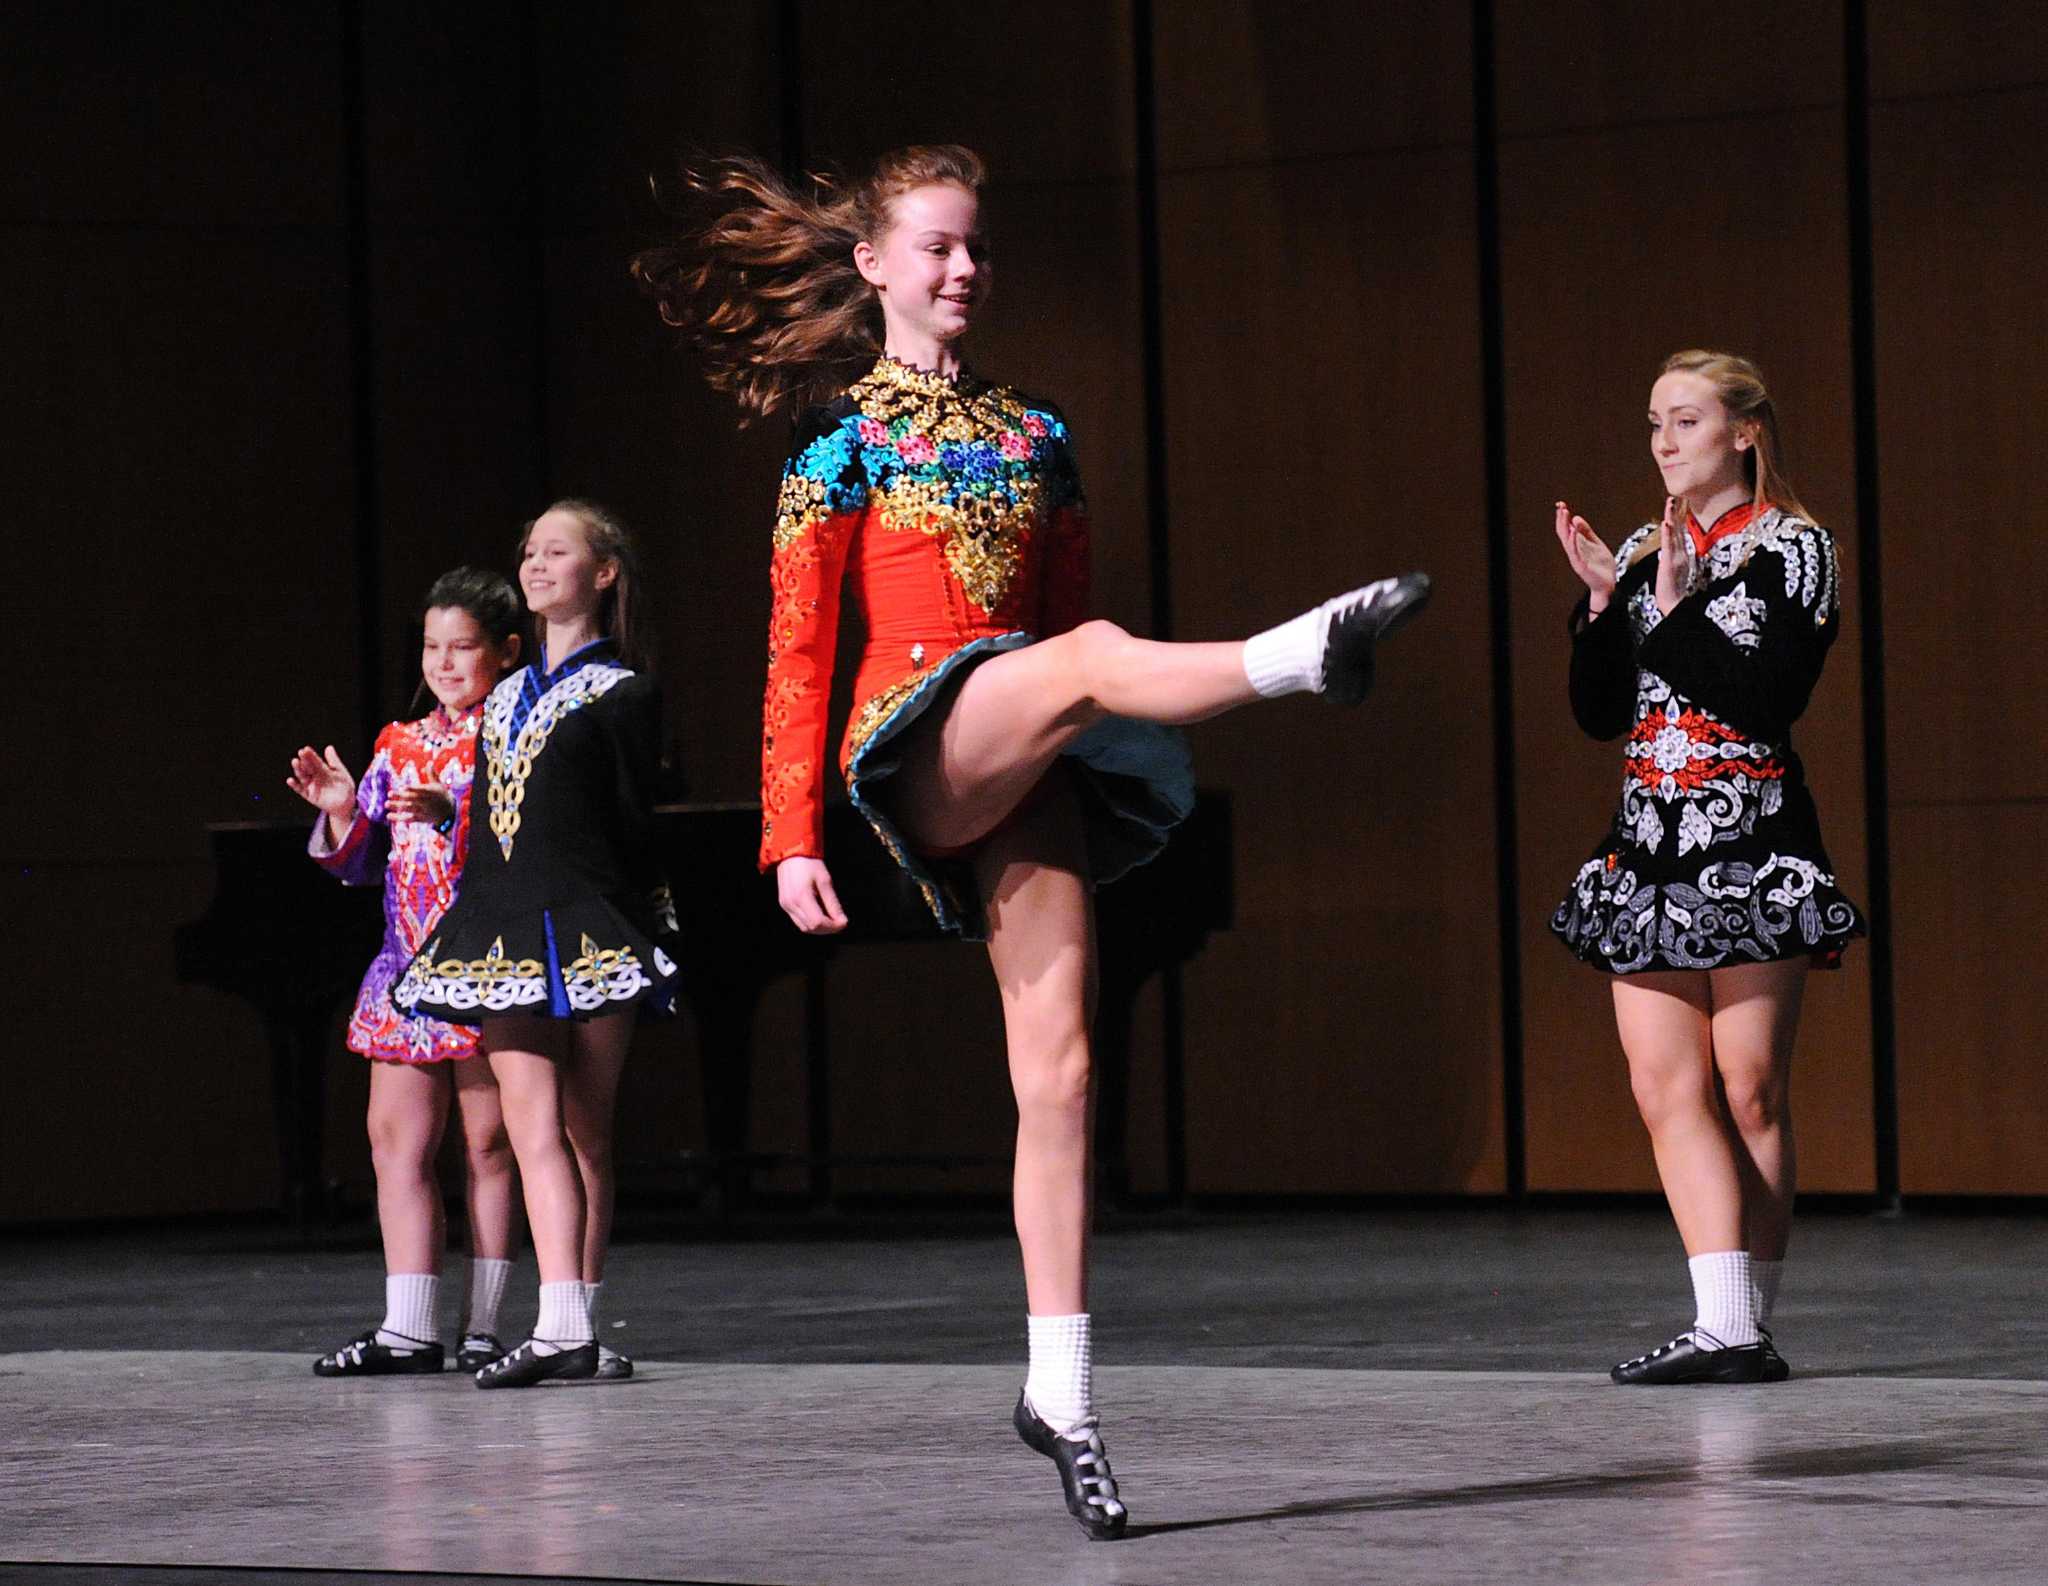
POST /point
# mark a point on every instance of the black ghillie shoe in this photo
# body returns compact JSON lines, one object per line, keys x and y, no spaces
{"x":1085,"y":1475}
{"x":1775,"y":1368}
{"x":478,"y":1351}
{"x":612,"y":1366}
{"x":365,"y":1357}
{"x":1683,"y":1360}
{"x":526,"y":1365}
{"x":1366,"y":616}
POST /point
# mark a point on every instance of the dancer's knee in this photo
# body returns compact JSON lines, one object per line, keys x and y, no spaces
{"x":1667,"y":1093}
{"x":1756,"y":1103}
{"x":1055,"y":1080}
{"x":1098,"y":648}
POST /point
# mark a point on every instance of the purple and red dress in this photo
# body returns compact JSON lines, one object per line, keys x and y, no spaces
{"x":420,"y":864}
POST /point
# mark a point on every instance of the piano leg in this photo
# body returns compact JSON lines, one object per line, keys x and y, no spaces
{"x":724,"y":1006}
{"x":298,"y":1096}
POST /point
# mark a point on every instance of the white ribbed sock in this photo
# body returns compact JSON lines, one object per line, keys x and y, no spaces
{"x":412,"y":1311}
{"x":1061,"y":1382}
{"x":564,"y":1321}
{"x":1722,"y":1299}
{"x":487,"y":1278}
{"x":1289,"y":659}
{"x":1763,"y":1277}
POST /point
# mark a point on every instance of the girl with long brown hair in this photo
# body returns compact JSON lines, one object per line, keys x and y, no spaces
{"x":1711,"y":893}
{"x":1010,"y":753}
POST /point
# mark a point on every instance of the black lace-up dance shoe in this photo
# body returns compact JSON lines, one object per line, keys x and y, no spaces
{"x":612,"y":1366}
{"x":1085,"y":1475}
{"x":1775,"y":1368}
{"x":1692,"y":1357}
{"x":478,"y":1351}
{"x":526,"y":1365}
{"x":363,"y":1356}
{"x":1355,"y":629}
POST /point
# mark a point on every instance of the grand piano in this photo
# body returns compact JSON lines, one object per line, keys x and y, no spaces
{"x":280,"y":935}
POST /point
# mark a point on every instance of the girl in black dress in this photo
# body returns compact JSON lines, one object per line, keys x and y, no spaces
{"x":1711,"y":894}
{"x":563,"y":926}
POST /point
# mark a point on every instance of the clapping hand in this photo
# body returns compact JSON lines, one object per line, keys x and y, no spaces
{"x":1589,"y":556}
{"x":429,"y":802}
{"x":1674,"y":557}
{"x":324,"y":782}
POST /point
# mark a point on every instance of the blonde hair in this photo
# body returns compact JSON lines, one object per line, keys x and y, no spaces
{"x":1740,"y":386}
{"x":760,"y":278}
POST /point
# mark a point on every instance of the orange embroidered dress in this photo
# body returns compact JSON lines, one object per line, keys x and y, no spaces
{"x":952,"y":511}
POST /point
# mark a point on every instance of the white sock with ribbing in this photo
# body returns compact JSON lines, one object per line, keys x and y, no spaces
{"x":596,"y":1293}
{"x":1289,"y":659}
{"x":564,"y":1321}
{"x":1061,"y":1383}
{"x":412,"y":1312}
{"x":1722,"y":1299}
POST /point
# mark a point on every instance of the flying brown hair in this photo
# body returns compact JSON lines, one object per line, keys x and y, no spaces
{"x":759,"y":276}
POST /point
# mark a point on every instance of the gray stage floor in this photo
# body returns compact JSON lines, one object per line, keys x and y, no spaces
{"x":1414,"y":1397}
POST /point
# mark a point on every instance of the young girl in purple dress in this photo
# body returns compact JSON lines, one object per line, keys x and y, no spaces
{"x":408,"y":821}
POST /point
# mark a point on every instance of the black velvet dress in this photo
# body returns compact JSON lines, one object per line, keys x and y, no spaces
{"x":1715,"y":855}
{"x":562,"y":909}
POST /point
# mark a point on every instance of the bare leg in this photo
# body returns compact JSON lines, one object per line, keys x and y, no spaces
{"x":1756,"y":1020}
{"x":1042,"y":947}
{"x":589,"y":1104}
{"x":1666,"y":1029}
{"x":1018,"y":711}
{"x":408,"y":1111}
{"x":487,"y":1151}
{"x":526,"y":1055}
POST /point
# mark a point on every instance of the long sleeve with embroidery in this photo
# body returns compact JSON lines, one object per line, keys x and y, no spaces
{"x":1750,"y":645}
{"x":1603,"y":673}
{"x":950,"y":512}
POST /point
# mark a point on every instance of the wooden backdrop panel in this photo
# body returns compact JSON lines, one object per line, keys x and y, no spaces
{"x":1958,"y":178}
{"x":1605,"y":273}
{"x":1320,"y":279}
{"x":1973,"y":1107}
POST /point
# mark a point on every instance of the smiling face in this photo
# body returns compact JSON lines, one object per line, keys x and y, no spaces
{"x":562,"y":578}
{"x":931,"y":267}
{"x":1698,"y":447}
{"x":458,"y":659}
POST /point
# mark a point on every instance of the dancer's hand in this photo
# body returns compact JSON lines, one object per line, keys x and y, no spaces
{"x":1674,"y":557}
{"x":804,"y":888}
{"x":429,"y":802}
{"x":325,"y":783}
{"x":1589,"y":556}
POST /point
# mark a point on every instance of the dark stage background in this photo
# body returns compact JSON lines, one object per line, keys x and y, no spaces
{"x":305,"y":302}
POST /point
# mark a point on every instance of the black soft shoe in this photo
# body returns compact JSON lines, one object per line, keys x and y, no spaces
{"x":1085,"y":1475}
{"x":1683,"y":1360}
{"x":526,"y":1365}
{"x":612,"y":1366}
{"x":478,"y":1351}
{"x":365,"y":1357}
{"x":1369,"y":615}
{"x":1775,"y":1368}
